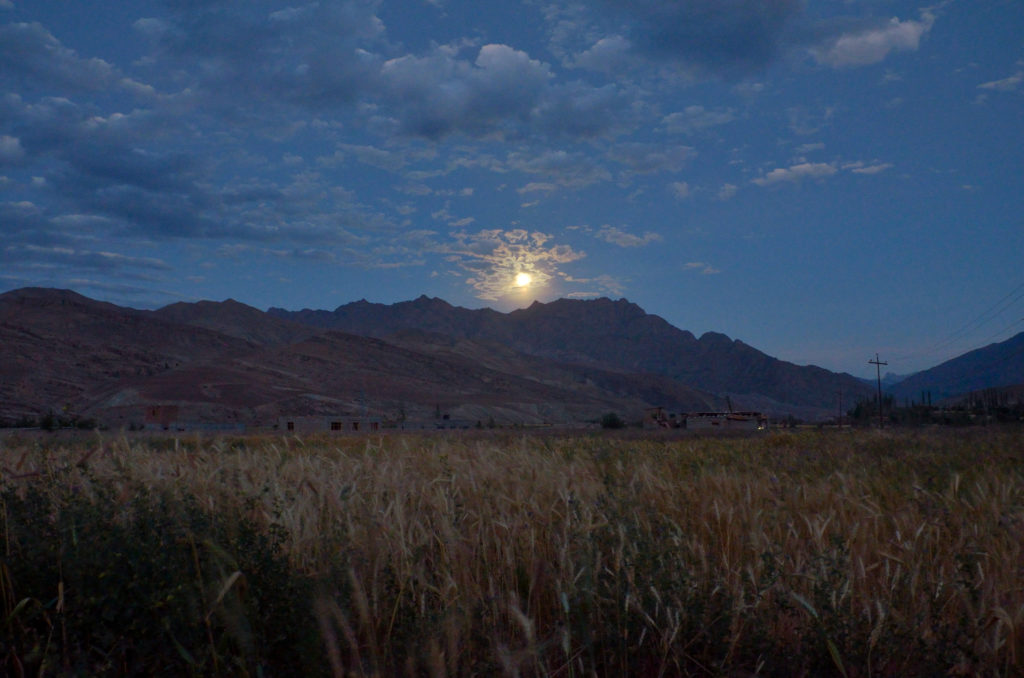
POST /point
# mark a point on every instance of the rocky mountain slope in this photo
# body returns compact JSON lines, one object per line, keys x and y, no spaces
{"x":995,"y":365}
{"x":226,"y":362}
{"x":613,"y":334}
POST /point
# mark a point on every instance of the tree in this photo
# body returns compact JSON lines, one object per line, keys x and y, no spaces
{"x":612,"y":420}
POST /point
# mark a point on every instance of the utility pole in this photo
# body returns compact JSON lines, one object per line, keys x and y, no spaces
{"x":878,"y":371}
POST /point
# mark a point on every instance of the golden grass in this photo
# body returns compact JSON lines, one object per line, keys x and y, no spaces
{"x":854,"y":553}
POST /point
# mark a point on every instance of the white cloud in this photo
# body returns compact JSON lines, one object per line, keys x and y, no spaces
{"x":606,"y":56}
{"x":807,"y":148}
{"x":727,"y":191}
{"x":874,"y":44}
{"x":1006,"y":84}
{"x":680,"y":189}
{"x":616,"y":236}
{"x":702,"y":267}
{"x":815,"y":170}
{"x":11,"y":150}
{"x":493,"y":257}
{"x":571,"y":170}
{"x":644,"y":158}
{"x":872,"y":169}
{"x":535,"y":186}
{"x":696,"y":118}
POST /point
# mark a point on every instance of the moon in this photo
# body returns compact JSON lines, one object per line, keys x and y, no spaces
{"x":523,"y":279}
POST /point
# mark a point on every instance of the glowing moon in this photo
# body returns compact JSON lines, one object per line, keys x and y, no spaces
{"x":523,"y":279}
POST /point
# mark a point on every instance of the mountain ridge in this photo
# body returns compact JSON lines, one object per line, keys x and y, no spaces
{"x":63,"y":352}
{"x":996,"y":365}
{"x":601,"y":331}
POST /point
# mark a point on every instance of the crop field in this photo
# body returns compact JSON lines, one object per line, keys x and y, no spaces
{"x":818,"y":553}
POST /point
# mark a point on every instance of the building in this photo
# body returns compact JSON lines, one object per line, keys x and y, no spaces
{"x":161,"y":417}
{"x":327,"y":424}
{"x":736,"y":421}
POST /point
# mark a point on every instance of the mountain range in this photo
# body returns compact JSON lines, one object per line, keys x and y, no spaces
{"x":993,"y":366}
{"x":225,"y":362}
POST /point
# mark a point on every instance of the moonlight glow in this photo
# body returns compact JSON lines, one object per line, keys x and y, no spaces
{"x":523,"y":279}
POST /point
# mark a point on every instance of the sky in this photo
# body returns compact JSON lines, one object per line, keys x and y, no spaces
{"x":823,"y":180}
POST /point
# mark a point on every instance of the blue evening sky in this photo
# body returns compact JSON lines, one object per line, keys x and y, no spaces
{"x":821,"y":179}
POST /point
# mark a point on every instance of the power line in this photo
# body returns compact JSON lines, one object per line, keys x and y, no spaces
{"x":989,"y":314}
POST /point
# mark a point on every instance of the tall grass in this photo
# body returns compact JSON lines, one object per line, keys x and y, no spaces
{"x":854,"y":554}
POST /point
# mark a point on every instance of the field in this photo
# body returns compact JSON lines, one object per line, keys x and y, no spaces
{"x":788,"y":554}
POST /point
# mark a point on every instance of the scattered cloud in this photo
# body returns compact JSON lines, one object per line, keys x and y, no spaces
{"x":492,"y":258}
{"x":439,"y":94}
{"x":617,"y":236}
{"x":647,"y":158}
{"x":727,"y":191}
{"x":30,"y":54}
{"x":11,"y":150}
{"x":607,"y":285}
{"x":872,"y":169}
{"x":606,"y":55}
{"x":564,"y":168}
{"x":693,"y":119}
{"x":807,"y":170}
{"x":872,"y":44}
{"x":701,"y":267}
{"x":538,"y":186}
{"x":679,"y":189}
{"x":809,"y":148}
{"x":1009,"y":84}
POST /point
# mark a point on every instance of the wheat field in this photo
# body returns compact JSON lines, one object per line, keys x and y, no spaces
{"x":817,"y":553}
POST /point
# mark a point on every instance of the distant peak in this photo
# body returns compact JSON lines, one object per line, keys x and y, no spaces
{"x":424,"y":300}
{"x":715,"y":338}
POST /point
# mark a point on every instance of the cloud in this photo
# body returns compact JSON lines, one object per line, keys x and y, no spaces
{"x":248,"y":58}
{"x":119,"y":168}
{"x":693,"y":119}
{"x":617,"y":236}
{"x":537,"y":186}
{"x":727,"y":191}
{"x":34,"y":58}
{"x":581,"y":112}
{"x":795,"y":173}
{"x":375,"y":157}
{"x":679,"y":189}
{"x":645,"y":158}
{"x":702,"y":267}
{"x":11,"y":151}
{"x":808,"y":148}
{"x":606,"y":284}
{"x":493,"y":257}
{"x":502,"y":94}
{"x":872,"y":44}
{"x":717,"y":37}
{"x":570,"y":170}
{"x":1009,"y":84}
{"x":61,"y":261}
{"x":440,"y":94}
{"x":872,"y":169}
{"x":606,"y":55}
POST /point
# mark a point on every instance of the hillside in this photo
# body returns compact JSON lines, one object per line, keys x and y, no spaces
{"x":615,"y":335}
{"x":995,"y":365}
{"x":60,"y":350}
{"x":224,"y":362}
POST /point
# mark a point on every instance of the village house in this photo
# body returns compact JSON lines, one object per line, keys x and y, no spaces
{"x":327,"y":424}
